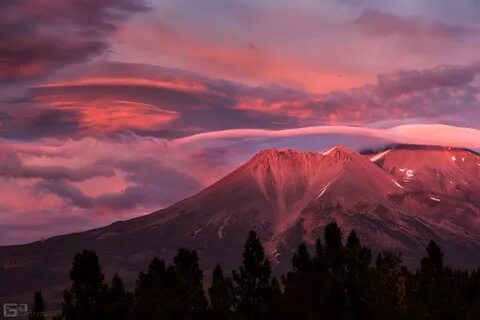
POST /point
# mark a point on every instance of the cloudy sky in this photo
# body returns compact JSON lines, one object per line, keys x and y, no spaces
{"x":114,"y":108}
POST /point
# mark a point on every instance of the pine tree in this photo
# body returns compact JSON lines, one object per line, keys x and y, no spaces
{"x":336,"y":302}
{"x":431,"y":281}
{"x":433,"y":262}
{"x":437,"y":290}
{"x":68,"y":309}
{"x":86,"y":298}
{"x":386,"y":276}
{"x":173,"y":292}
{"x":221,"y":295}
{"x":334,"y":249}
{"x":118,"y":300}
{"x":151,"y":298}
{"x":320,"y":280}
{"x":193,"y":301}
{"x":358,"y":280}
{"x":299,"y":286}
{"x":38,"y":309}
{"x":253,"y":283}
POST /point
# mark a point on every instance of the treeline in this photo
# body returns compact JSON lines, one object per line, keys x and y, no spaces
{"x":339,"y":280}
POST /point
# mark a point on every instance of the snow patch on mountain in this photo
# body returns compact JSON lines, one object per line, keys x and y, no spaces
{"x":409,"y":174}
{"x":220,"y":229}
{"x":380,"y":155}
{"x":323,"y":190}
{"x":398,"y":184}
{"x":327,"y":152}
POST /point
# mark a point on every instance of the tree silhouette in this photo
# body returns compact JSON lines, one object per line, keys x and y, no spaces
{"x":86,"y":298}
{"x":437,"y":289}
{"x":151,"y":298}
{"x":173,"y":292}
{"x":358,"y":280}
{"x":336,"y":305}
{"x":118,"y":300}
{"x":334,"y":248}
{"x":253,"y":284}
{"x":193,"y":303}
{"x":38,"y":308}
{"x":337,"y":282}
{"x":221,"y":295}
{"x":386,"y":273}
{"x":300,"y":287}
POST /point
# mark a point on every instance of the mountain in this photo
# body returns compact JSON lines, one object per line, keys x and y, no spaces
{"x":440,"y":170}
{"x":399,"y":198}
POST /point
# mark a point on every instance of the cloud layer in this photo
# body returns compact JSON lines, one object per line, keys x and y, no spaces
{"x":111,"y":98}
{"x":114,"y":108}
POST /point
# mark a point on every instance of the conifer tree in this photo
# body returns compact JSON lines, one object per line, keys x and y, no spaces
{"x":173,"y":292}
{"x":118,"y":300}
{"x":336,"y":304}
{"x":193,"y":303}
{"x":334,"y":249}
{"x":221,"y":295}
{"x":86,"y":298}
{"x":38,"y":309}
{"x":151,"y":298}
{"x":437,"y":290}
{"x":358,"y":280}
{"x":385,"y":285}
{"x":320,"y":280}
{"x":299,"y":286}
{"x":253,"y":284}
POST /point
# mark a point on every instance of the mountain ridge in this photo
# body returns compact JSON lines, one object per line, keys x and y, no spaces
{"x":288,"y":197}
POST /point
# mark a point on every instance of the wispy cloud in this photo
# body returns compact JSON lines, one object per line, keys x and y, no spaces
{"x":426,"y":134}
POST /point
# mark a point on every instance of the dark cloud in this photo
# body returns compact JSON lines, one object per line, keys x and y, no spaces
{"x":382,"y":23}
{"x":11,"y":166}
{"x":30,"y":120}
{"x":40,"y":36}
{"x":441,"y":93}
{"x":66,"y":191}
{"x":405,"y":82}
{"x":152,"y":185}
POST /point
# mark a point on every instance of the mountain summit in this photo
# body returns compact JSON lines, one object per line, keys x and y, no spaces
{"x":399,"y":198}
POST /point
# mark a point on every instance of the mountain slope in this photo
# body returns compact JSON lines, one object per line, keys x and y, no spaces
{"x":287,"y":197}
{"x":449,"y":171}
{"x":442,"y":185}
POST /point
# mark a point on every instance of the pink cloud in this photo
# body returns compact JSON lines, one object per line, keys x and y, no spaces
{"x":426,"y":134}
{"x":242,"y":63}
{"x":110,"y":115}
{"x":174,"y":84}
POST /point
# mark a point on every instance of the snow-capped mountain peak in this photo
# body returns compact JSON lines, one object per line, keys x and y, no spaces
{"x":399,"y":198}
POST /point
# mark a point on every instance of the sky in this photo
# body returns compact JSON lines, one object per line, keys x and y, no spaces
{"x":110,"y":109}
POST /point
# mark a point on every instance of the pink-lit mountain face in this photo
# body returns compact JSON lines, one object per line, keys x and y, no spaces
{"x":449,"y":172}
{"x":398,"y":199}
